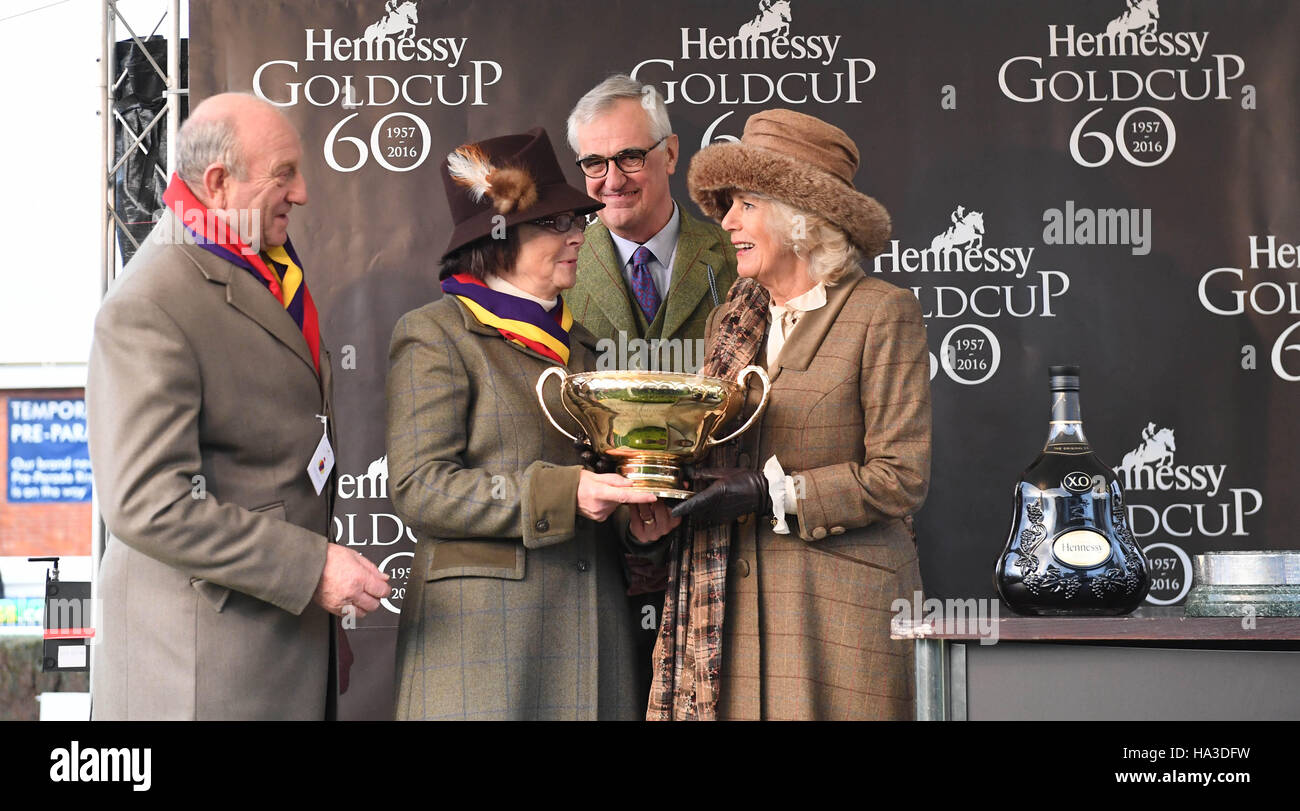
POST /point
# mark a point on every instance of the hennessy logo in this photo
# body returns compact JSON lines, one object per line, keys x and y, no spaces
{"x":372,"y":484}
{"x":958,"y":249}
{"x":1141,"y":16}
{"x":398,"y":19}
{"x":1157,"y":446}
{"x":1150,"y":467}
{"x":967,"y":229}
{"x":772,"y":18}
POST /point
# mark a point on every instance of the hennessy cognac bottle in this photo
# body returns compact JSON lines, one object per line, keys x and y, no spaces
{"x":1070,"y":550}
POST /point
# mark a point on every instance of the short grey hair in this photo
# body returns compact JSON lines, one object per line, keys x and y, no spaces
{"x":603,"y":96}
{"x":204,"y":141}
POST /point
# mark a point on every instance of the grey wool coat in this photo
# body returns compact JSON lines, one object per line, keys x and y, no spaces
{"x":202,"y":400}
{"x":514,"y":609}
{"x":806,"y":632}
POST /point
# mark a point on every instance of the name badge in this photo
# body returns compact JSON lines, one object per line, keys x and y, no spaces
{"x":322,"y":460}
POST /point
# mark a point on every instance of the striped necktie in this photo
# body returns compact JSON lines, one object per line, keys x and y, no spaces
{"x":643,"y":284}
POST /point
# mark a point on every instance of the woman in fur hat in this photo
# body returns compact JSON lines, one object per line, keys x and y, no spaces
{"x":800,"y":542}
{"x":514,"y":608}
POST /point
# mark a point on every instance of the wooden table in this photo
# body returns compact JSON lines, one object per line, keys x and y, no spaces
{"x":1154,"y":664}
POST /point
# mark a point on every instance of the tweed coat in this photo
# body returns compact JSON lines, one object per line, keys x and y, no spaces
{"x":602,"y":303}
{"x":806,"y":631}
{"x":514,"y":608}
{"x":202,"y":400}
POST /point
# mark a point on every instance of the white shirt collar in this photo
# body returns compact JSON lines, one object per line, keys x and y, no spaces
{"x":779,"y":329}
{"x":661,"y":244}
{"x":500,"y":285}
{"x":813,"y":299}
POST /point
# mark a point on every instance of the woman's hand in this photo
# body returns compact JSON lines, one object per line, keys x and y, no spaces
{"x":599,"y":494}
{"x":733,"y":493}
{"x":650,"y":522}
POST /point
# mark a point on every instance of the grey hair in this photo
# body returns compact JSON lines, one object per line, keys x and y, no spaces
{"x":822,"y":243}
{"x":603,"y":96}
{"x":204,"y":141}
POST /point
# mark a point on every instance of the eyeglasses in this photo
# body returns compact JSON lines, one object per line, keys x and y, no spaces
{"x":629,"y":161}
{"x":560,"y":223}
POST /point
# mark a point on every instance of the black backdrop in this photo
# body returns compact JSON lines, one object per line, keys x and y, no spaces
{"x":1120,"y":197}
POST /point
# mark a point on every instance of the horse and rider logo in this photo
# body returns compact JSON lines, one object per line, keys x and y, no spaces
{"x":967,"y":230}
{"x":1156,"y":449}
{"x":773,"y":18}
{"x":399,"y":19}
{"x":1141,"y":16}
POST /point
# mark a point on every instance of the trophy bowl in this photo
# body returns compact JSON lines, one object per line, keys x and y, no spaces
{"x":652,"y":422}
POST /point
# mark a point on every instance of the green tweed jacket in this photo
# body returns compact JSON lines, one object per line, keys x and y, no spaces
{"x":703,"y":271}
{"x":514,"y":609}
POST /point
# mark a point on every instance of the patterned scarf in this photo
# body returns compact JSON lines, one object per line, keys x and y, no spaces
{"x":519,"y":320}
{"x":688,"y":651}
{"x":278,"y":269}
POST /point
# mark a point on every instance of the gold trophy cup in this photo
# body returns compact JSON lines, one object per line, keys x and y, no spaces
{"x":652,"y":422}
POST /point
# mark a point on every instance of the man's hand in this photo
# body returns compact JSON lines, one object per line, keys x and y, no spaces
{"x":349,"y":579}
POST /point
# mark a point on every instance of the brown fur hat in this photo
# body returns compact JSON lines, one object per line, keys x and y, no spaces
{"x":799,"y":160}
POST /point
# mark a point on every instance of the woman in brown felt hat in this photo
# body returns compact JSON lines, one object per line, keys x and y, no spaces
{"x":514,"y":608}
{"x":781,"y":601}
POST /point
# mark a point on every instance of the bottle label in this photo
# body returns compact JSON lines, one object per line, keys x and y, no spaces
{"x":1077,"y":482}
{"x":1068,"y":447}
{"x":1081,"y":547}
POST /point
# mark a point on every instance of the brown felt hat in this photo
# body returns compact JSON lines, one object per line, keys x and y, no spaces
{"x":514,"y":176}
{"x":799,"y":160}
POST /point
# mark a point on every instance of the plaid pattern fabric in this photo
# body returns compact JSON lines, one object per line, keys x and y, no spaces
{"x":543,"y":632}
{"x":806,"y":629}
{"x":688,"y":651}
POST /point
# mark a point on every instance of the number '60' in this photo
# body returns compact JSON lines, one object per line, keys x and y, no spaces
{"x":1108,"y":145}
{"x":363,"y":153}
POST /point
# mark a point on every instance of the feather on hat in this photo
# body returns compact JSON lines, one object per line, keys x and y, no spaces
{"x":512,"y":176}
{"x":509,"y":188}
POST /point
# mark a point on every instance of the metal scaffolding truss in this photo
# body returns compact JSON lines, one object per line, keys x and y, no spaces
{"x":112,"y":123}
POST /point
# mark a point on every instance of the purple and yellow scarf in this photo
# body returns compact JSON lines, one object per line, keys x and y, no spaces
{"x":519,"y":320}
{"x":278,"y":269}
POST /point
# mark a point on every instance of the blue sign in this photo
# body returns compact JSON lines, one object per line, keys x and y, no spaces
{"x":48,"y":457}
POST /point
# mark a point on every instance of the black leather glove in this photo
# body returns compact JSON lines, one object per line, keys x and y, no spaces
{"x":733,"y":493}
{"x":590,"y":459}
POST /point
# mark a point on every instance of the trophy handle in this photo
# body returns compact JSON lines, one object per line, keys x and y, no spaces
{"x":740,"y":378}
{"x":552,"y":371}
